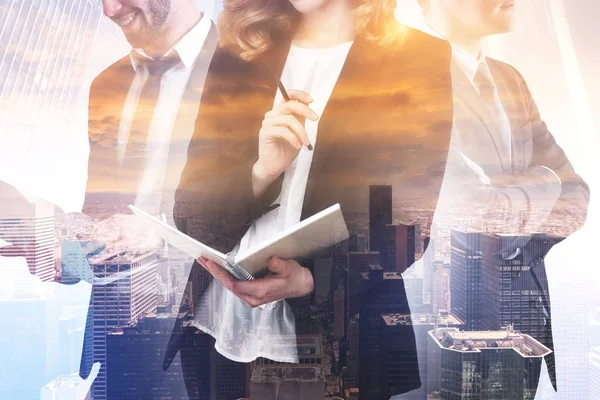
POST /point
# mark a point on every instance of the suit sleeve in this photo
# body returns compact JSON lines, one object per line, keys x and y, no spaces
{"x":550,"y":190}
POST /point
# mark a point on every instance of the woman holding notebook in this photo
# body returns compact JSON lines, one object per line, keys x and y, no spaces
{"x":370,"y":103}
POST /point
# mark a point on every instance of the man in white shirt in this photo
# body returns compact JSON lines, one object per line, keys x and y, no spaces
{"x":503,"y":164}
{"x":143,"y":107}
{"x":142,"y":111}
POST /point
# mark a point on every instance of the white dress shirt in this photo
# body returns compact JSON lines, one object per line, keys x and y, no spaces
{"x":172,"y":89}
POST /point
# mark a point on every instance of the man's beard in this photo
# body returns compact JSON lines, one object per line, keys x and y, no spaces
{"x":158,"y":11}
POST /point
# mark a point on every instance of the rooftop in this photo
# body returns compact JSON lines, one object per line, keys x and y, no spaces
{"x":474,"y":341}
{"x":419,"y":319}
{"x":64,"y":381}
{"x":289,"y":373}
{"x":122,"y":257}
{"x":386,"y":275}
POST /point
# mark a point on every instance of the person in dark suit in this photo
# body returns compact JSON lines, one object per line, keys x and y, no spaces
{"x":371,"y":103}
{"x":503,"y":158}
{"x":141,"y":117}
{"x":142,"y":108}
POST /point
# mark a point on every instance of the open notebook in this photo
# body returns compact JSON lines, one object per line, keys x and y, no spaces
{"x":311,"y":235}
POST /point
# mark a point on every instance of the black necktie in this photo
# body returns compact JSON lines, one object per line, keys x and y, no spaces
{"x":135,"y":156}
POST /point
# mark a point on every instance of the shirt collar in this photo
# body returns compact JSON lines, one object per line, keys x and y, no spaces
{"x":187,"y":48}
{"x":465,"y":61}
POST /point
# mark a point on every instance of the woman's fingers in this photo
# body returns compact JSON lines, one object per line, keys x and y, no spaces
{"x":252,"y":293}
{"x":297,"y":109}
{"x":300,"y":95}
{"x":292,"y":124}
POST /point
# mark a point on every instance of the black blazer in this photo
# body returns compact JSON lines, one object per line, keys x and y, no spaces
{"x":388,"y":121}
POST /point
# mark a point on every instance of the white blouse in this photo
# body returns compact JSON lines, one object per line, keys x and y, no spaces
{"x":243,"y":334}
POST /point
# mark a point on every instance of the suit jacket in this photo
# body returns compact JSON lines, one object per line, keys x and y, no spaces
{"x":108,"y":94}
{"x":526,"y":180}
{"x":388,"y":121}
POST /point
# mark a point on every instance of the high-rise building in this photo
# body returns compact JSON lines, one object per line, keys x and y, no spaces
{"x":339,"y":312}
{"x":380,"y":215}
{"x":287,"y":382}
{"x":132,"y":295}
{"x":465,"y":278}
{"x":322,"y":277}
{"x":30,"y":337}
{"x":135,"y":354}
{"x":514,"y":291}
{"x":440,"y":295}
{"x":75,"y":258}
{"x":357,"y":242}
{"x":227,"y":377}
{"x":380,"y":292}
{"x":358,"y":262}
{"x":66,"y":387}
{"x":304,"y":380}
{"x":397,"y":350}
{"x":30,"y":226}
{"x":428,"y":268}
{"x":502,"y":364}
{"x":63,"y":45}
{"x":594,"y":381}
{"x":399,"y":247}
{"x":353,"y":347}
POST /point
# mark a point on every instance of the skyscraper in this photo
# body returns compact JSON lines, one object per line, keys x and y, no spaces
{"x":30,"y":335}
{"x":62,"y":45}
{"x":75,"y":258}
{"x":594,"y":361}
{"x":30,"y":225}
{"x":339,"y":312}
{"x":396,"y":341}
{"x":135,"y":355}
{"x":500,"y":364}
{"x":440,"y":297}
{"x":65,"y":387}
{"x":130,"y":297}
{"x":514,"y":291}
{"x":465,"y":278}
{"x":358,"y":262}
{"x":227,"y":377}
{"x":380,"y":215}
{"x":399,"y":247}
{"x":380,"y":293}
{"x":304,"y":380}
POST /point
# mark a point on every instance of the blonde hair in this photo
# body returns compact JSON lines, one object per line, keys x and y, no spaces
{"x":249,"y":28}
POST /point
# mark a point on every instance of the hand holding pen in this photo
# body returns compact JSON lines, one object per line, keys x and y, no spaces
{"x":281,"y":137}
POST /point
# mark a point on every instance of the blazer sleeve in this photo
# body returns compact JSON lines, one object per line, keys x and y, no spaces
{"x":549,"y":190}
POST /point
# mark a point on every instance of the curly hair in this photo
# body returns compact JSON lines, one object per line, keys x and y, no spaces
{"x":251,"y":27}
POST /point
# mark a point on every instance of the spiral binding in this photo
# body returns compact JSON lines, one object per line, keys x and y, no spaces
{"x":236,"y":269}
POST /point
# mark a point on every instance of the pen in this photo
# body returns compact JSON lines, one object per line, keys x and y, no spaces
{"x":286,"y":97}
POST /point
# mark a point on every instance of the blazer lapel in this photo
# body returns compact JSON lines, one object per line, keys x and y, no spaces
{"x":358,"y":60}
{"x":188,"y":110}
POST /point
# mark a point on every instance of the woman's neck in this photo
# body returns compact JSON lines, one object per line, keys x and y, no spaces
{"x":330,"y":25}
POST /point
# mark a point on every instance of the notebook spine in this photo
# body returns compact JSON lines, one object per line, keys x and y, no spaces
{"x":237,"y":270}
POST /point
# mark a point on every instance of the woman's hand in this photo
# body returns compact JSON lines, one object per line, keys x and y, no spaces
{"x":280,"y":139}
{"x":286,"y":279}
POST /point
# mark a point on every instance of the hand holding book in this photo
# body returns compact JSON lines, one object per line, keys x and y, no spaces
{"x":285,"y":279}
